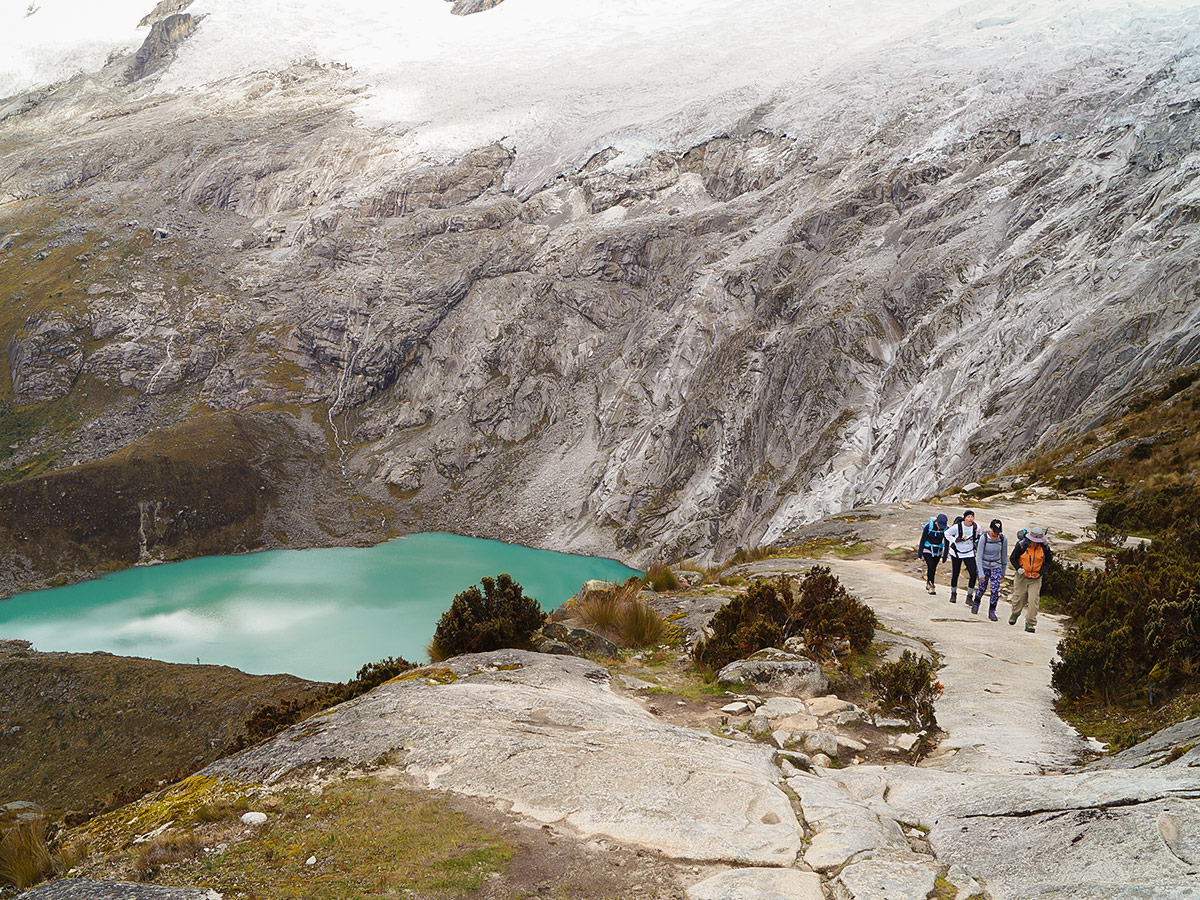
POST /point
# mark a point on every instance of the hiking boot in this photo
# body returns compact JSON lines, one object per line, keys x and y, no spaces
{"x":1012,"y":620}
{"x":929,"y":588}
{"x":953,"y":597}
{"x":975,"y":607}
{"x":1030,"y":629}
{"x":992,"y":615}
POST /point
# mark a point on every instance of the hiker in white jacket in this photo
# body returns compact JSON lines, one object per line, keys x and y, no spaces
{"x":961,"y":540}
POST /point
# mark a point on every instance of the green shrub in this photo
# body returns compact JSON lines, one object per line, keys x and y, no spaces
{"x":1135,"y":617}
{"x":819,"y":610}
{"x":1060,"y":585}
{"x":750,"y":621}
{"x":497,"y":617}
{"x":1152,"y":510}
{"x":825,"y":613}
{"x":908,"y":687}
{"x":1107,"y":536}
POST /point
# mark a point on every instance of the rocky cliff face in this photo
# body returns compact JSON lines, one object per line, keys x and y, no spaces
{"x":922,"y":271}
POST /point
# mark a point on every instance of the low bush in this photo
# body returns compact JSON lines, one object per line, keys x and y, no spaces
{"x":1106,"y":536}
{"x":162,"y":851}
{"x":1152,"y":510}
{"x":496,"y":617}
{"x":817,"y":608}
{"x":617,"y":613}
{"x":25,"y":855}
{"x":908,"y":687}
{"x":1136,"y":624}
{"x":29,"y":853}
{"x":641,"y":625}
{"x":272,"y":718}
{"x":659,"y":578}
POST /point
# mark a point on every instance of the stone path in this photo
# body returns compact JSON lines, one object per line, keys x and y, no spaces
{"x":997,"y":710}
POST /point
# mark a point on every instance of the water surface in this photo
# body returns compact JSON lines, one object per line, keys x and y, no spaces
{"x":319,"y":614}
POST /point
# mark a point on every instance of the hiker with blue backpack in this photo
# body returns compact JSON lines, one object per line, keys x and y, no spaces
{"x":961,"y":540}
{"x":991,"y":558}
{"x":930,"y":547}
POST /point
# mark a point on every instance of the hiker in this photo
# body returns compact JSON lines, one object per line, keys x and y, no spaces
{"x":930,"y":548}
{"x":961,"y":540}
{"x":992,"y":560}
{"x":1030,"y":557}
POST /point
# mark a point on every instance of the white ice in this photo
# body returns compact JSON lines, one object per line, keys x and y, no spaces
{"x":560,"y":79}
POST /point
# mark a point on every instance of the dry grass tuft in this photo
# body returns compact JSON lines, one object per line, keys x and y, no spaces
{"x":163,"y":851}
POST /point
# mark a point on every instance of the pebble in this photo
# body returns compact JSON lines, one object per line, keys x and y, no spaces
{"x":311,"y":861}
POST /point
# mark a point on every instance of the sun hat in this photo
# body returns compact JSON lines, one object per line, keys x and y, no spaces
{"x":1037,"y":534}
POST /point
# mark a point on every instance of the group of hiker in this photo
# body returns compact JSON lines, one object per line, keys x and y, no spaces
{"x":985,"y":556}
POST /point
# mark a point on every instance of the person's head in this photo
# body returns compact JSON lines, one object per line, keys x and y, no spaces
{"x":997,"y":526}
{"x":941,"y":521}
{"x":969,"y":517}
{"x":1037,"y":534}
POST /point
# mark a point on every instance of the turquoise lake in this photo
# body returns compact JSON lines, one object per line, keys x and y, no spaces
{"x":319,"y":614}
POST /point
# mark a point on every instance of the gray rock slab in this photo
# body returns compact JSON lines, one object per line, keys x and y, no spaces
{"x":547,"y":736}
{"x":845,"y":826}
{"x":1102,"y":834}
{"x":1178,"y":745}
{"x":87,"y":889}
{"x":828,"y":705}
{"x":582,"y":640}
{"x":759,"y":884}
{"x":872,"y":879}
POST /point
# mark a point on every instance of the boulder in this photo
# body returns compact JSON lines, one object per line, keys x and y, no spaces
{"x":779,"y":672}
{"x":759,"y":884}
{"x":254,"y":818}
{"x":828,"y":705}
{"x":820,"y":742}
{"x":780,"y":707}
{"x":636,"y":684}
{"x":759,"y":725}
{"x":558,"y":648}
{"x":871,"y":879}
{"x":584,"y":642}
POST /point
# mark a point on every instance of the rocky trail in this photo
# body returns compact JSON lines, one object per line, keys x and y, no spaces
{"x":1004,"y":808}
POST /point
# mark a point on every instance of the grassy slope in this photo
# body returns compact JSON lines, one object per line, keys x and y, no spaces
{"x":94,"y":728}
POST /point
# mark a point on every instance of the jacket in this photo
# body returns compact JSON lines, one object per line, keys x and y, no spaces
{"x":960,"y":541}
{"x":986,"y":538}
{"x":933,"y":541}
{"x":1022,"y":546}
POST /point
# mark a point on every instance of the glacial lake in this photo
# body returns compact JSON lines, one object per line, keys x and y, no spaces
{"x":319,"y":614}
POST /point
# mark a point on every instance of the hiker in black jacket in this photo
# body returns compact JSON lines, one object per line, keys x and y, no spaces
{"x":1030,"y":558}
{"x":930,"y":548}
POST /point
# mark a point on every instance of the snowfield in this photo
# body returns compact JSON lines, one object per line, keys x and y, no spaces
{"x":559,"y":80}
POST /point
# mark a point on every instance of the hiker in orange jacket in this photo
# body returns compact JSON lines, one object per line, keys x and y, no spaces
{"x":1030,"y":558}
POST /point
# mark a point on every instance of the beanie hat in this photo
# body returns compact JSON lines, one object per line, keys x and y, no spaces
{"x":969,"y":512}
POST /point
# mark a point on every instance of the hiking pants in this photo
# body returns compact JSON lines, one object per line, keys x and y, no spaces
{"x":930,"y":567}
{"x":990,"y":578}
{"x":955,"y":565}
{"x":1025,"y":596}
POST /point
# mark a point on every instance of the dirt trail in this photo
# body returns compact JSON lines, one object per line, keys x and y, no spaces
{"x":997,"y":710}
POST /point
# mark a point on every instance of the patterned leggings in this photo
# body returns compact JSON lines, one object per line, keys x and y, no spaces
{"x":990,"y":577}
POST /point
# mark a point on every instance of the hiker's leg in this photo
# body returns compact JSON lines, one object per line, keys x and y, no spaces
{"x":955,"y":565}
{"x":1020,"y":588}
{"x":1035,"y":596}
{"x":973,"y":571}
{"x":996,"y":575}
{"x":931,"y":567}
{"x":983,"y":577}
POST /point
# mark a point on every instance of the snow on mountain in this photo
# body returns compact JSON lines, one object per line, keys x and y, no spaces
{"x":559,"y":81}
